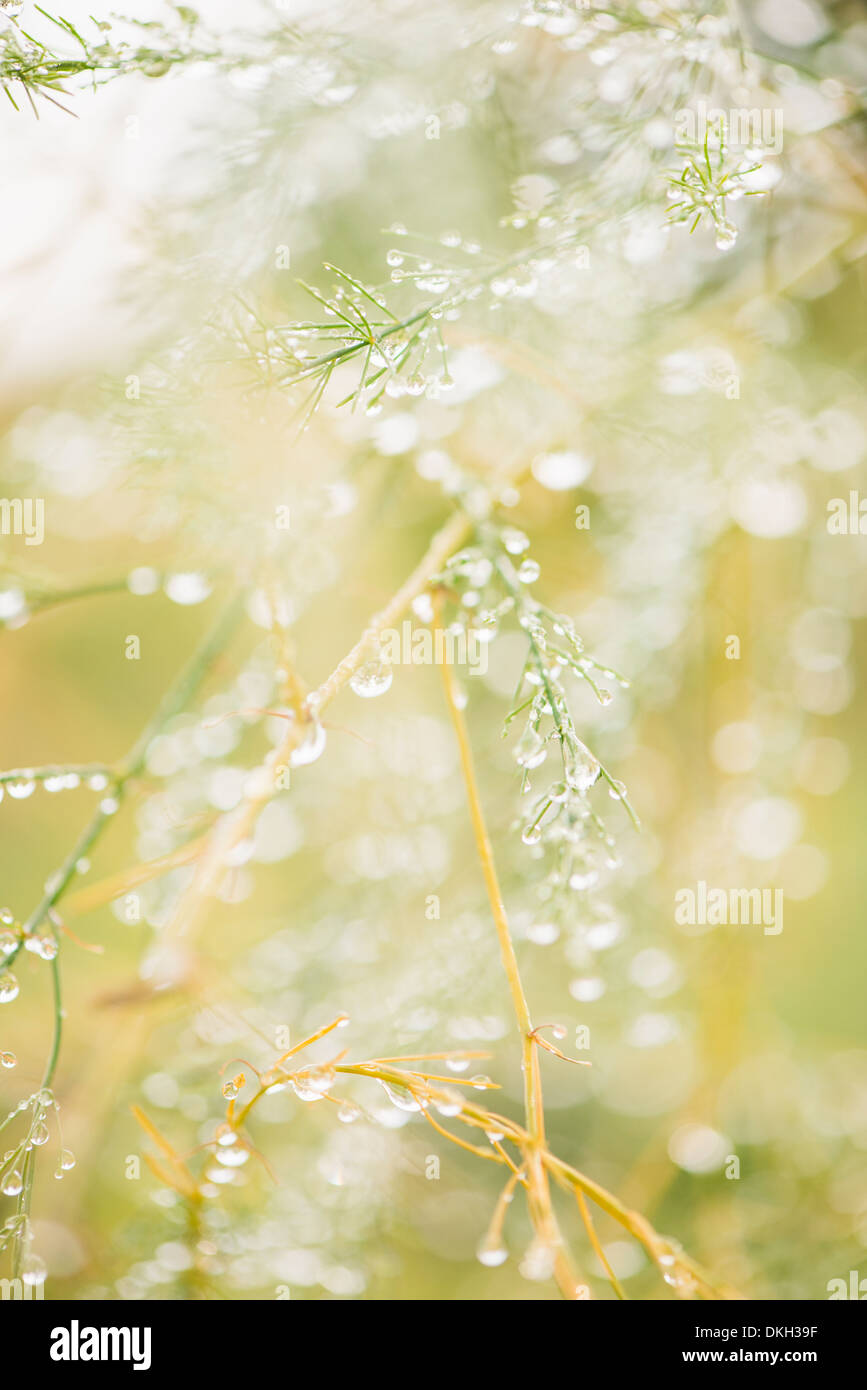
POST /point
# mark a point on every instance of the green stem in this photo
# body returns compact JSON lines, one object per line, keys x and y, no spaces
{"x":175,"y":700}
{"x":42,"y":774}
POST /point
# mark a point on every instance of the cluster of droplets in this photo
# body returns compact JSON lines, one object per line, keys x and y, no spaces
{"x":41,"y":942}
{"x":427,"y":274}
{"x":559,"y":824}
{"x":230,"y":1154}
{"x":41,"y":1104}
{"x":10,"y":942}
{"x":711,"y":176}
{"x":475,"y":586}
{"x":24,"y":783}
{"x":416,"y":363}
{"x":33,"y":1269}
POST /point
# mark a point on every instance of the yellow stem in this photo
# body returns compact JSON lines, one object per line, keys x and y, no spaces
{"x":538,"y":1189}
{"x":236,"y":825}
{"x":532,"y":1088}
{"x":594,"y":1241}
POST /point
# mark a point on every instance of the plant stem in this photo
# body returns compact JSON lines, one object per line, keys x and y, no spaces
{"x":234,"y":825}
{"x":51,"y":1064}
{"x":174,"y":701}
{"x":538,"y":1190}
{"x":535,"y":1118}
{"x":44,"y":774}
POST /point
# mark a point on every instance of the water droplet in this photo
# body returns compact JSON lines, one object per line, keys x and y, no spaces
{"x":33,"y":1270}
{"x":560,"y":471}
{"x":394,"y":258}
{"x":529,"y":571}
{"x":232,"y":1156}
{"x":478,"y":571}
{"x":67,"y":1159}
{"x":400,"y":1097}
{"x":480,"y":1082}
{"x":8,"y":942}
{"x":39,"y":1135}
{"x":422,"y":607}
{"x":348,"y":1112}
{"x":531,"y":834}
{"x":531,"y":750}
{"x":491,"y":1253}
{"x":21,"y":789}
{"x":372,"y":679}
{"x":457,"y":1064}
{"x":232,"y":1089}
{"x":8,"y":987}
{"x":143,"y":580}
{"x":13,"y":605}
{"x":312,"y":1084}
{"x":617,"y":790}
{"x":449,"y":1103}
{"x":726,"y":236}
{"x":587,"y":988}
{"x":515,"y":541}
{"x":13,"y":1183}
{"x":538,"y":1263}
{"x":43,"y":945}
{"x":311,"y":746}
{"x":187,"y":588}
{"x":543,"y":933}
{"x":8,"y":1060}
